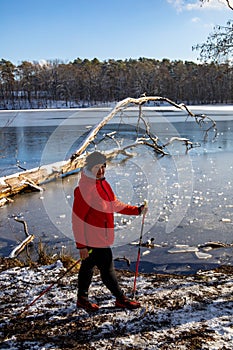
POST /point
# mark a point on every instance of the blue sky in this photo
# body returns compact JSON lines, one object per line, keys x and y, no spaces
{"x":37,"y":30}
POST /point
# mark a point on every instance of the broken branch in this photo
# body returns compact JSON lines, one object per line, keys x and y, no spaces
{"x":20,"y":247}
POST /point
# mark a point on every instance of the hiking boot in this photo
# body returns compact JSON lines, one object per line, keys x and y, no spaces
{"x":126,"y":303}
{"x":85,"y":304}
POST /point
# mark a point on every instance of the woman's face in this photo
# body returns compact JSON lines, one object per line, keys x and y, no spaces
{"x":98,"y":170}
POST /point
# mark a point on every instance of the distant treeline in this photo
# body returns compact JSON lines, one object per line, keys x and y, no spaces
{"x":89,"y":82}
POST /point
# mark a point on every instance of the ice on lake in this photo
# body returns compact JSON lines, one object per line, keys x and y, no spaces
{"x":190,"y":195}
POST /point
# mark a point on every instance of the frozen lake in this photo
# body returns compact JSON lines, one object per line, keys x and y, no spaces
{"x":190,"y":195}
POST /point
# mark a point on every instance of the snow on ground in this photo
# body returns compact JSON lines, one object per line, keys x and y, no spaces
{"x":178,"y":312}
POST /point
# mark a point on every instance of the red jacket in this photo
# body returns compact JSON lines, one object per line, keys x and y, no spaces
{"x":93,"y":209}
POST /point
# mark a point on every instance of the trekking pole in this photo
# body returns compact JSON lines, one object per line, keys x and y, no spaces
{"x":51,"y":285}
{"x":139,"y":247}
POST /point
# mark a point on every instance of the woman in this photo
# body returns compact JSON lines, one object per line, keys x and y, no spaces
{"x":93,"y":227}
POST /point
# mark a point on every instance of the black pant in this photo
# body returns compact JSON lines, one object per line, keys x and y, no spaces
{"x":102,"y":258}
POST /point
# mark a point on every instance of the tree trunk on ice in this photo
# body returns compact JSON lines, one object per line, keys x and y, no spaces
{"x":34,"y":178}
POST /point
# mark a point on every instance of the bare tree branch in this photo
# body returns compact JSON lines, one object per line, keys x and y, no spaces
{"x":222,"y":1}
{"x":219,"y":44}
{"x":24,"y":244}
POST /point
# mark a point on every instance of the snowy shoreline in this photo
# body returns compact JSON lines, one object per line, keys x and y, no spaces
{"x":178,"y":312}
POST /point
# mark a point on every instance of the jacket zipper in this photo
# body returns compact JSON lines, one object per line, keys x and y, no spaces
{"x":105,"y":223}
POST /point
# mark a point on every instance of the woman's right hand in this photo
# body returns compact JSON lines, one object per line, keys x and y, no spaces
{"x":84,"y":253}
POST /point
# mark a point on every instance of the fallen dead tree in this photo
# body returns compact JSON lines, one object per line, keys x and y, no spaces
{"x":34,"y":179}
